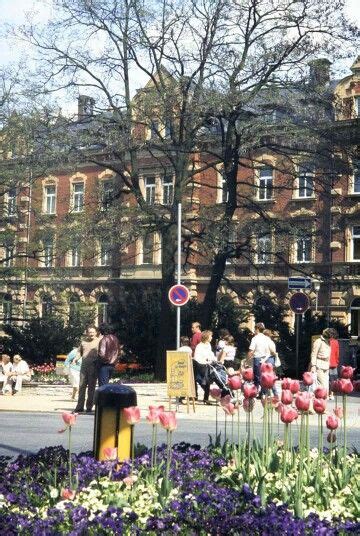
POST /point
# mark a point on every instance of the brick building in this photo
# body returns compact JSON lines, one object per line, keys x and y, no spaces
{"x":321,"y":236}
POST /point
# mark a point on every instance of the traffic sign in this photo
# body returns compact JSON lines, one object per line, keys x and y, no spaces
{"x":299,"y":303}
{"x":297,"y":283}
{"x":179,"y":295}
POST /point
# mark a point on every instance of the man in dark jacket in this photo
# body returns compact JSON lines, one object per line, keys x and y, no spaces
{"x":108,"y":353}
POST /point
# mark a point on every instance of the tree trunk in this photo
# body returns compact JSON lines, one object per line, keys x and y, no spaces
{"x":209,"y":303}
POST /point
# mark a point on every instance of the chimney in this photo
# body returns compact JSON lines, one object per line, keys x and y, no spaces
{"x":85,"y":106}
{"x":319,"y":72}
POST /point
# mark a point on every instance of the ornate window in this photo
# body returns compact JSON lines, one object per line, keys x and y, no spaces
{"x":50,"y":199}
{"x":150,"y":184}
{"x":305,"y":187}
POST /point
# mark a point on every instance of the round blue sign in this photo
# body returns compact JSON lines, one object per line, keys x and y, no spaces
{"x":299,"y":303}
{"x":179,"y":295}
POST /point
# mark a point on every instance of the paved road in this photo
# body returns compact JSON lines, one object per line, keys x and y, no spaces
{"x":28,"y":432}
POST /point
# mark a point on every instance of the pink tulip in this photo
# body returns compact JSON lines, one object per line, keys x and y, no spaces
{"x":67,"y":494}
{"x":225,"y":400}
{"x":110,"y":453}
{"x":285,"y":384}
{"x":302,"y":401}
{"x":266,"y":367}
{"x":168,"y":420}
{"x":321,"y":392}
{"x":288,"y":414}
{"x":335,"y":386}
{"x":294,"y":386}
{"x":347,"y":372}
{"x":331,"y":437}
{"x":234,"y":382}
{"x":130,"y":480}
{"x":250,"y":391}
{"x":215,"y":393}
{"x":275,"y":401}
{"x":345,"y":386}
{"x":319,"y":405}
{"x":154,"y":414}
{"x":286,"y":396}
{"x":69,"y":418}
{"x":332,"y":422}
{"x":308,"y":378}
{"x":230,"y":409}
{"x":248,"y":374}
{"x":248,"y":404}
{"x":132,"y":414}
{"x":267,"y":380}
{"x":339,"y":412}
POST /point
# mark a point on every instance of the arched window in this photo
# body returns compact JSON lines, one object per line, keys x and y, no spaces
{"x":7,"y":308}
{"x":103,"y":309}
{"x":46,"y":305}
{"x":355,"y":317}
{"x":74,"y":308}
{"x":264,"y":310}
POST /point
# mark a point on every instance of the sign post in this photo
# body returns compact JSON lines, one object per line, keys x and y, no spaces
{"x":299,"y":304}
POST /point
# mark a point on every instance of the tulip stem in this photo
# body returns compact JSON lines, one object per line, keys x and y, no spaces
{"x":216,"y":418}
{"x":285,"y":449}
{"x":345,"y":434}
{"x":70,"y":466}
{"x":238,"y":426}
{"x":153,"y":446}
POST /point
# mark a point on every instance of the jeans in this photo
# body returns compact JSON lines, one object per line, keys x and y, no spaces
{"x":104,"y":374}
{"x":271,"y":360}
{"x":256,"y":369}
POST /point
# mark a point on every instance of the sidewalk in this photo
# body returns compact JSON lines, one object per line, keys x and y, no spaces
{"x":51,"y":399}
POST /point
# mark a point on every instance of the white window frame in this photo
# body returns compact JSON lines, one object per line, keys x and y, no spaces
{"x":265,"y":184}
{"x":167,"y":189}
{"x":357,"y":106}
{"x":303,"y":239}
{"x":49,"y":206}
{"x":264,"y":257}
{"x":357,"y":237}
{"x":150,"y":190}
{"x":78,"y":196}
{"x":48,"y":254}
{"x":104,"y":255}
{"x":74,"y":257}
{"x":356,"y":174}
{"x":102,"y":311}
{"x":106,"y":199}
{"x":307,"y":190}
{"x":10,"y":200}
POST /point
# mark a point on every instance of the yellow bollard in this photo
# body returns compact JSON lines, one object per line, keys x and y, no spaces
{"x":110,"y":428}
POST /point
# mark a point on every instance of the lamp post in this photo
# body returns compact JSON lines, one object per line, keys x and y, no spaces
{"x":316,"y":288}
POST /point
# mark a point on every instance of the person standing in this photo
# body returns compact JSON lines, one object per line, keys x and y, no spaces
{"x":20,"y":372}
{"x":203,"y":356}
{"x":5,"y":370}
{"x":320,"y":358}
{"x":74,"y":370}
{"x":108,"y":353}
{"x":226,"y":356}
{"x":259,"y":350}
{"x":196,"y":335}
{"x":88,"y":371}
{"x":334,"y":358}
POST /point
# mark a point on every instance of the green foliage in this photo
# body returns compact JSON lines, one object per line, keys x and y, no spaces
{"x":41,"y":339}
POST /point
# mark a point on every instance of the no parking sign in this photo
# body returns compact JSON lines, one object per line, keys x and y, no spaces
{"x":179,"y":295}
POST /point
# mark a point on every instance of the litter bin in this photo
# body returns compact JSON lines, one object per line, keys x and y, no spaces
{"x":60,"y":369}
{"x":110,"y":428}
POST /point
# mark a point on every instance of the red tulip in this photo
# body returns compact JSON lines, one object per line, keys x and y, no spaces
{"x":332,"y":422}
{"x":267,"y":380}
{"x":347,"y":372}
{"x":110,"y":453}
{"x":356,"y":385}
{"x":339,"y":412}
{"x":331,"y":437}
{"x":132,"y":414}
{"x":335,"y":386}
{"x":229,"y":409}
{"x":234,"y":383}
{"x":302,"y":401}
{"x":288,"y":414}
{"x":319,"y":405}
{"x":168,"y":420}
{"x":285,"y":384}
{"x":248,"y":404}
{"x":67,"y":494}
{"x":248,"y":374}
{"x":308,"y":378}
{"x":215,"y":393}
{"x":154,"y":414}
{"x":286,"y":396}
{"x":321,"y":392}
{"x":294,"y":386}
{"x":250,"y":391}
{"x":345,"y":386}
{"x":266,"y":367}
{"x":69,"y":418}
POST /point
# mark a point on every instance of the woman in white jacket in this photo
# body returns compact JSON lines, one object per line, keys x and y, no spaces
{"x":203,"y":356}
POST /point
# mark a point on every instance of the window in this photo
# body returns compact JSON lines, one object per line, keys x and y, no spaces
{"x":357,"y":106}
{"x":74,"y":308}
{"x":48,"y":253}
{"x":46,"y":305}
{"x":305,"y":183}
{"x":303,"y":249}
{"x":9,"y":254}
{"x":167,"y":128}
{"x":168,"y":190}
{"x":7,"y":308}
{"x":78,"y":196}
{"x":75,"y":257}
{"x":356,"y":183}
{"x":264,"y":249}
{"x":11,"y":202}
{"x":50,"y":199}
{"x":355,"y":239}
{"x":103,"y":309}
{"x":105,"y":254}
{"x":224,"y":190}
{"x":150,"y":190}
{"x":266,"y":183}
{"x":107,"y":194}
{"x":154,"y":129}
{"x":148,"y":248}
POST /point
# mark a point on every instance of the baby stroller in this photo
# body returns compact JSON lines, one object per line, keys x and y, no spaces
{"x":218,"y":375}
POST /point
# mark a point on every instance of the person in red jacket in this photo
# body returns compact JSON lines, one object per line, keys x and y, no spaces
{"x":196,"y":336}
{"x":334,"y":358}
{"x":109,"y":352}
